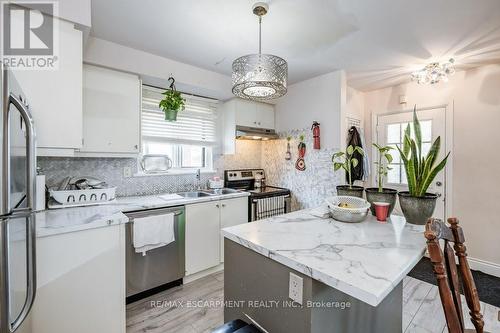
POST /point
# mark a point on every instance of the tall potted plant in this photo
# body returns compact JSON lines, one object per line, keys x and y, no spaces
{"x":346,"y":161}
{"x":172,"y":102}
{"x":417,"y":204}
{"x":380,"y":193}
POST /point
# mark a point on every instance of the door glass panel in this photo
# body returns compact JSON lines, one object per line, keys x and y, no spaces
{"x":426,"y":129}
{"x":426,"y":146}
{"x":17,"y":265}
{"x":393,"y":133}
{"x":393,"y":174}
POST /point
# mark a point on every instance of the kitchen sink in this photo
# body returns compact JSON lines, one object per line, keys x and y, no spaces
{"x":222,"y":191}
{"x":195,"y":194}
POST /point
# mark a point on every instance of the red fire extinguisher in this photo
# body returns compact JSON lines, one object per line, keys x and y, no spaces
{"x":315,"y":129}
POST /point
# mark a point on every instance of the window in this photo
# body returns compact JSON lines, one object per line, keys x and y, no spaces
{"x":189,"y":140}
{"x":395,"y":135}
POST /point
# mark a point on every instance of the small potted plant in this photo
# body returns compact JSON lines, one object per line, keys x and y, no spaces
{"x":417,"y":204}
{"x":172,"y":102}
{"x":380,"y":193}
{"x":346,"y":161}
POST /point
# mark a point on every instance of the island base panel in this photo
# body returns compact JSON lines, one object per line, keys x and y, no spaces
{"x":257,"y":286}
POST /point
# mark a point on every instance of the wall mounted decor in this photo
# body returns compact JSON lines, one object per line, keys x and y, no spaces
{"x":288,"y":154}
{"x":301,"y":164}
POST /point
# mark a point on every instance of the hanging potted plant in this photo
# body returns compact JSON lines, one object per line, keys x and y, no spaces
{"x":418,"y":205}
{"x":380,"y":193}
{"x":346,"y":161}
{"x":172,"y":102}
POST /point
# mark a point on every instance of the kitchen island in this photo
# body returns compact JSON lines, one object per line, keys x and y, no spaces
{"x":352,"y":273}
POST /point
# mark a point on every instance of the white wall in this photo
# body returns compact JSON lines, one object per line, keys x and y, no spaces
{"x":156,"y":70}
{"x":322,"y":98}
{"x":474,"y":99}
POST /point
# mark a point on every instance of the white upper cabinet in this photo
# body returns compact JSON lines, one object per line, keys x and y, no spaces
{"x":246,"y":113}
{"x":240,"y":112}
{"x":265,"y":116}
{"x":55,"y":96}
{"x":111,"y":112}
{"x":253,"y":114}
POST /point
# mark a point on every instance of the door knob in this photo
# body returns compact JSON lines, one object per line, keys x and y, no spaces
{"x":438,"y":183}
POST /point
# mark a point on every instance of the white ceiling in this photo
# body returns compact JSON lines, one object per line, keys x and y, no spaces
{"x":377,"y":42}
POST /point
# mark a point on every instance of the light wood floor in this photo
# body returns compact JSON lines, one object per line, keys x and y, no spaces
{"x":422,"y":310}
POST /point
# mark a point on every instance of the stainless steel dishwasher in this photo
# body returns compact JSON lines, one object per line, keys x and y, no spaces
{"x":160,"y":267}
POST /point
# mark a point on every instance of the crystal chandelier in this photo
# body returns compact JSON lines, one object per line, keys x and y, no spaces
{"x":259,"y":76}
{"x":434,"y":72}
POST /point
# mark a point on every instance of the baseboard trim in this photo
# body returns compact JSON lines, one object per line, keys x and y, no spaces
{"x":484,"y":266}
{"x":199,"y":275}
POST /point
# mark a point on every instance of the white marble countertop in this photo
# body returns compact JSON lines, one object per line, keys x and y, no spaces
{"x":365,"y":260}
{"x":63,"y":220}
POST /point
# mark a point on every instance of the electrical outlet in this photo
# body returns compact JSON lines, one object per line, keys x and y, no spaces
{"x":127,"y":172}
{"x":295,"y":289}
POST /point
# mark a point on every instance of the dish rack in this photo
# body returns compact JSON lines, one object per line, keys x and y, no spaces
{"x":83,"y":197}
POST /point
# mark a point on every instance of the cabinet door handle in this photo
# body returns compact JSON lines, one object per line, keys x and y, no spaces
{"x":259,"y":122}
{"x":223,"y":205}
{"x":217,"y":206}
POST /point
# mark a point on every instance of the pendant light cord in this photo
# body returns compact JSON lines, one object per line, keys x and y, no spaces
{"x":260,"y":34}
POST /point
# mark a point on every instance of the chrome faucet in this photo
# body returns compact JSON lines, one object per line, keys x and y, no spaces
{"x":198,"y":179}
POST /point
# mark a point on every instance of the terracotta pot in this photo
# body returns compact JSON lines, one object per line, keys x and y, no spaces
{"x":351,"y":191}
{"x":417,"y":210}
{"x":388,"y":195}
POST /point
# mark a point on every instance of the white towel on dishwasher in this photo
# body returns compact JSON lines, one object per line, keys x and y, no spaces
{"x":152,"y":232}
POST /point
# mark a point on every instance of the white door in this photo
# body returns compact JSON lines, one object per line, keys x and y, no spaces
{"x":390,"y":131}
{"x":202,"y":236}
{"x":233,"y":212}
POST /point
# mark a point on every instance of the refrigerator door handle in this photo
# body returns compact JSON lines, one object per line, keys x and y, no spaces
{"x":30,"y":150}
{"x":30,"y":227}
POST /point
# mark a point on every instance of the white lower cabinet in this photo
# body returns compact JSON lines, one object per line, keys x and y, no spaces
{"x":202,"y":236}
{"x":204,"y":221}
{"x":233,"y":212}
{"x":81,"y":282}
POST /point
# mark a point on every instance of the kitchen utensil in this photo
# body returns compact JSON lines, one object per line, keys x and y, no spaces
{"x":348,"y":209}
{"x":64,"y":184}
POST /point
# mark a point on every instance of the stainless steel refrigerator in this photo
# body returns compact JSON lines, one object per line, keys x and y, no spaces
{"x":17,"y":198}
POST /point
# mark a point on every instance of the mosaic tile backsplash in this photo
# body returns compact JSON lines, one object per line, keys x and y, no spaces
{"x":309,"y":187}
{"x":248,"y":155}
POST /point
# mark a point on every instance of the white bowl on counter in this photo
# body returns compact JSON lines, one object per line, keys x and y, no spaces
{"x":348,"y":209}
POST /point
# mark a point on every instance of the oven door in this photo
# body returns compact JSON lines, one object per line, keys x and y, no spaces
{"x":265,"y":207}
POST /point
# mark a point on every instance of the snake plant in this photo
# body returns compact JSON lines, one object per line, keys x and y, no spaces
{"x":346,"y":161}
{"x":420,"y":170}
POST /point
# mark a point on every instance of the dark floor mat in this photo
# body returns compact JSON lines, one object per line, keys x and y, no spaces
{"x":488,"y":286}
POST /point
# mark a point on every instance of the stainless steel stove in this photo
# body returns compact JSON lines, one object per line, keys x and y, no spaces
{"x":265,"y":200}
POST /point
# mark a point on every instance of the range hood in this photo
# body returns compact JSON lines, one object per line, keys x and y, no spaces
{"x":254,"y":133}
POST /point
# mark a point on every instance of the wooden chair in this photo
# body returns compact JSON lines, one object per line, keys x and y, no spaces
{"x":445,"y":269}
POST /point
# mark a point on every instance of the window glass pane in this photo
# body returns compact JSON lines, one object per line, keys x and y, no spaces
{"x":395,"y":154}
{"x":426,"y":129}
{"x":161,"y":148}
{"x":403,"y":175}
{"x":393,"y":175}
{"x":393,"y":134}
{"x":426,"y":146}
{"x":193,"y":157}
{"x":403,"y":128}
